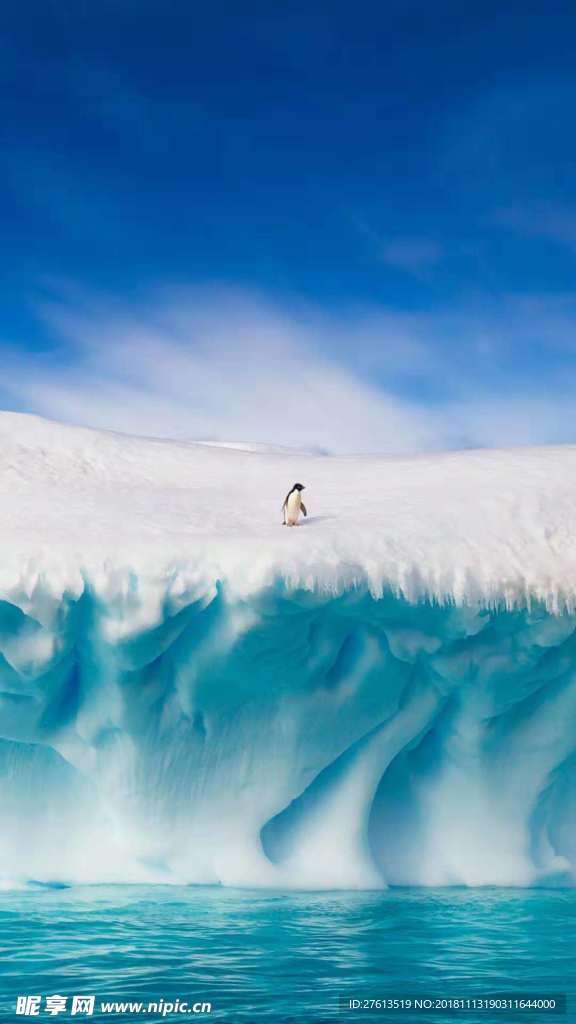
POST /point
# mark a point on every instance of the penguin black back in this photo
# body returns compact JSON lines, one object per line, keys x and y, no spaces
{"x":295,"y":487}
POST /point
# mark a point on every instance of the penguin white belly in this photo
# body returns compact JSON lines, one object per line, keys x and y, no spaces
{"x":293,"y":508}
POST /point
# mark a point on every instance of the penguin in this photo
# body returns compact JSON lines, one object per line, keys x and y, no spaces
{"x":293,"y":506}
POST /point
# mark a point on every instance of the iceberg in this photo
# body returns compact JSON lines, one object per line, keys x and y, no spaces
{"x":191,"y":693}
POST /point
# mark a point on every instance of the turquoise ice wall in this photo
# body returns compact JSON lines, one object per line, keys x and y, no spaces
{"x":288,"y":739}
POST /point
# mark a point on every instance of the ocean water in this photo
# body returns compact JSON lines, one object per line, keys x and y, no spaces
{"x":277,"y":956}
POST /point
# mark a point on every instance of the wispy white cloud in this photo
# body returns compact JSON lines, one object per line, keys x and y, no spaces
{"x":220,"y":365}
{"x":553,"y":221}
{"x":414,"y":255}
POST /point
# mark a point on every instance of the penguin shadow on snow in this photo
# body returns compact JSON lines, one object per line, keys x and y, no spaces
{"x":312,"y":520}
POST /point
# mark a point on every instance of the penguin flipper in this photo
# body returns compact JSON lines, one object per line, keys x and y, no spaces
{"x":303,"y":508}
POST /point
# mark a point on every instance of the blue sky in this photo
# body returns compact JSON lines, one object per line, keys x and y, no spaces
{"x":362,"y":215}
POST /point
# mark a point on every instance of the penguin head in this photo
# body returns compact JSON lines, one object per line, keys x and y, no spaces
{"x":298,"y":487}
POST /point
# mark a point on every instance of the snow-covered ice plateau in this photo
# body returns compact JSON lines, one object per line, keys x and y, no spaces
{"x":190,"y":692}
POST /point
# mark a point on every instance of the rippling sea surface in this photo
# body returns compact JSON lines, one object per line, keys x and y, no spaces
{"x":285,"y":956}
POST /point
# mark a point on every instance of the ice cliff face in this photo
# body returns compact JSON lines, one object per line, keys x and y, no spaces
{"x":182,"y":699}
{"x":289,"y":739}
